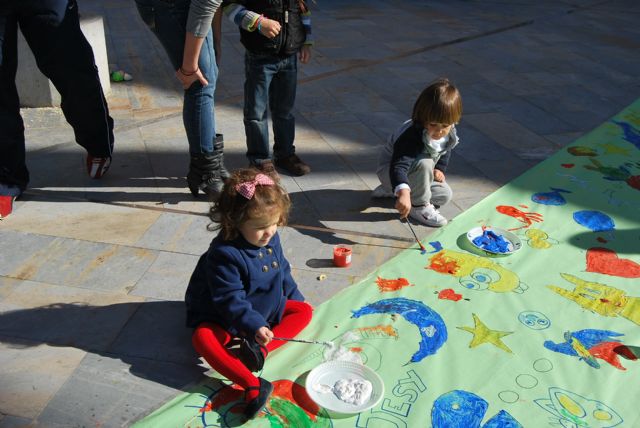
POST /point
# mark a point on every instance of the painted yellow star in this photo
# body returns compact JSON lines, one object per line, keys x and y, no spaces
{"x":483,"y":334}
{"x":612,"y":149}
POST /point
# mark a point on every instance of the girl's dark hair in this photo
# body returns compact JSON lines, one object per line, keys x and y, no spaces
{"x":440,"y":102}
{"x":233,"y":209}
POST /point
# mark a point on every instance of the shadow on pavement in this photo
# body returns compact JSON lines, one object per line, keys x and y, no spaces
{"x":150,"y":337}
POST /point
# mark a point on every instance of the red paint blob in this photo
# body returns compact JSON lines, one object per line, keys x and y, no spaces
{"x":442,"y":264}
{"x":606,"y":261}
{"x":601,"y":239}
{"x":392,"y":284}
{"x":449,"y":294}
{"x":568,"y":165}
{"x":634,"y":181}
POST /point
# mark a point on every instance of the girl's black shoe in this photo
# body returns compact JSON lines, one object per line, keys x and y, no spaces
{"x":254,"y":406}
{"x":250,"y":353}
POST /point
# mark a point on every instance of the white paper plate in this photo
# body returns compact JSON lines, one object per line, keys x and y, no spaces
{"x":330,"y":372}
{"x":514,"y":243}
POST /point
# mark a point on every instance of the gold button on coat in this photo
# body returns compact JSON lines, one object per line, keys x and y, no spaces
{"x":265,"y":268}
{"x":274,"y":265}
{"x":269,"y":251}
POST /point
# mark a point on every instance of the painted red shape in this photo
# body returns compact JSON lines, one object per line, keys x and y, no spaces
{"x":605,"y":351}
{"x":601,"y":239}
{"x":606,"y":261}
{"x":449,"y":294}
{"x":442,"y":264}
{"x":392,"y":284}
{"x":568,"y":165}
{"x":526,"y":218}
{"x":634,"y":181}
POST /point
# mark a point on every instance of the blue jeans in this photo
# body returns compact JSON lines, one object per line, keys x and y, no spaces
{"x":63,"y":54}
{"x":271,"y":79}
{"x":168,"y":22}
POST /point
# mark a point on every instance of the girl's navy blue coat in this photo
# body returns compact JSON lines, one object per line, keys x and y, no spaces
{"x":240,"y":287}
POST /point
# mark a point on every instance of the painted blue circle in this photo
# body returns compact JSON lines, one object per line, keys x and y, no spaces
{"x":534,"y":320}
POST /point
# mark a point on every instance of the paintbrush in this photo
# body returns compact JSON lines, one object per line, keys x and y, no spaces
{"x":315,"y":342}
{"x":422,"y":248}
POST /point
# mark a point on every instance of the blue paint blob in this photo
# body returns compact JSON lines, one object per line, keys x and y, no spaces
{"x":502,"y":420}
{"x":594,"y":220}
{"x":550,"y":198}
{"x":458,"y":408}
{"x":437,"y":246}
{"x":631,"y":134}
{"x":433,"y":331}
{"x":491,"y":241}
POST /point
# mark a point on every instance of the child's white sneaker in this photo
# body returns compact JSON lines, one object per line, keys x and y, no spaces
{"x":428,"y":215}
{"x":380,"y":192}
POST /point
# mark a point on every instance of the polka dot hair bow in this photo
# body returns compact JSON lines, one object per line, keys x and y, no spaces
{"x":248,"y":188}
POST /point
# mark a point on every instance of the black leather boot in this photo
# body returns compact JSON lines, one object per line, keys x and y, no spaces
{"x":218,"y":147}
{"x":205,"y":175}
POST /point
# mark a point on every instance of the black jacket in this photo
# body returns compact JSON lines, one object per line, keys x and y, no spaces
{"x":292,"y":34}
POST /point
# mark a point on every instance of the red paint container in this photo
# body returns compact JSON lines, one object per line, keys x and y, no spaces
{"x":342,"y":255}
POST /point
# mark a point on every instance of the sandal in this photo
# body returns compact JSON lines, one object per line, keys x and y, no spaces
{"x":254,"y":406}
{"x":251,"y":354}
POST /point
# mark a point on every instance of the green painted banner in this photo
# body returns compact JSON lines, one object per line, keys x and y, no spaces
{"x":546,"y":336}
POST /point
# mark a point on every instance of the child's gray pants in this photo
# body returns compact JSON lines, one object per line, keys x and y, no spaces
{"x":424,"y":189}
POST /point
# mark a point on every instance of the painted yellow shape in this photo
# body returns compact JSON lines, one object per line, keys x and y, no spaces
{"x":538,"y":239}
{"x":377,"y":331}
{"x":483,"y":334}
{"x":477,"y":273}
{"x":602,"y":415}
{"x":571,"y":406}
{"x":612,"y":149}
{"x":579,"y":348}
{"x":601,"y":299}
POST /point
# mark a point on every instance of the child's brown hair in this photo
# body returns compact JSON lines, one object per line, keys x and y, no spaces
{"x":440,"y":102}
{"x":233,"y":209}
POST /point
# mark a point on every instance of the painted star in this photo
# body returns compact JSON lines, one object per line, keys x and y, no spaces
{"x":483,"y":334}
{"x":612,"y":149}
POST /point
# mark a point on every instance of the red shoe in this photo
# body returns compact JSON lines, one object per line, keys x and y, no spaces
{"x":97,"y":167}
{"x":8,"y":194}
{"x":6,"y":205}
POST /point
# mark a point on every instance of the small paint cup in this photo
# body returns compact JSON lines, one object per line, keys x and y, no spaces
{"x":341,"y":255}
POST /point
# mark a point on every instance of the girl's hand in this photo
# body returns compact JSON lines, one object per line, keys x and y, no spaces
{"x":264,"y":335}
{"x":305,"y":54}
{"x":403,"y":202}
{"x":269,"y":28}
{"x":187,"y":78}
{"x":438,"y":175}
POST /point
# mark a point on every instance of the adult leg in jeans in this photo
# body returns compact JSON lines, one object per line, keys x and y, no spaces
{"x":168,"y":22}
{"x":282,"y":96}
{"x":259,"y":72}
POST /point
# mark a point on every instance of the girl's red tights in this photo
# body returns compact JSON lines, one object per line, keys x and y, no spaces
{"x":209,"y":341}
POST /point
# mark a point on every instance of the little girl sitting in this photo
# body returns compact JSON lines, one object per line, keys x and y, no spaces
{"x":242,"y":286}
